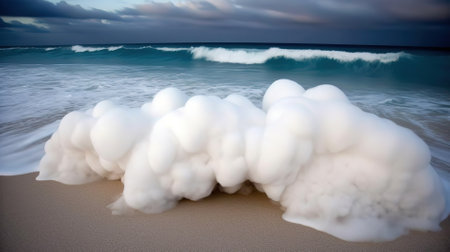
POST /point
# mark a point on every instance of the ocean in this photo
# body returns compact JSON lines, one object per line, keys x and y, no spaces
{"x":39,"y":85}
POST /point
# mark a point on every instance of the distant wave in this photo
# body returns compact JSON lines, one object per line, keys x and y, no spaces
{"x":261,"y":56}
{"x":28,"y":48}
{"x":252,"y":56}
{"x":15,"y":48}
{"x":138,"y":48}
{"x":245,"y":55}
{"x":78,"y":48}
{"x":171,"y":49}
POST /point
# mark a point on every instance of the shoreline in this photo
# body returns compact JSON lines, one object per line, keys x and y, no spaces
{"x":39,"y":215}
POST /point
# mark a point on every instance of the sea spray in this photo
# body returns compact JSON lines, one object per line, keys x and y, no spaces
{"x":329,"y":164}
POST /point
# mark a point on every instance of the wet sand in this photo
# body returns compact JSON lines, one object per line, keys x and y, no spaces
{"x":49,"y":216}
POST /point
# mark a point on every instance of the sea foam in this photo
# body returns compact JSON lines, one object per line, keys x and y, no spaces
{"x":330,"y":165}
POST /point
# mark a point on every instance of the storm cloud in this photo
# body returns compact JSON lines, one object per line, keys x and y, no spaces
{"x":403,"y":22}
{"x":41,"y":8}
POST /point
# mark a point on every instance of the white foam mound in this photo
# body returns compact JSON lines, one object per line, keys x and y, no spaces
{"x":330,"y":165}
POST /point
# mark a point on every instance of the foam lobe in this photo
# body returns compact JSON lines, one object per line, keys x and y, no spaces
{"x":330,"y":165}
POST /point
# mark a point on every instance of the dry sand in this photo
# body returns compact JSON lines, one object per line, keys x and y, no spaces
{"x":49,"y":216}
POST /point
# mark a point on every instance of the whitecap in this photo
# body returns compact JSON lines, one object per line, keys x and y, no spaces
{"x":252,"y":56}
{"x":80,"y":49}
{"x":171,"y":49}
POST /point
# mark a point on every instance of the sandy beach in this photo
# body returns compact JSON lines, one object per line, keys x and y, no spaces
{"x":43,"y":216}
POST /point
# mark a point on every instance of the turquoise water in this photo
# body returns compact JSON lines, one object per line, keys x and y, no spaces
{"x":39,"y":85}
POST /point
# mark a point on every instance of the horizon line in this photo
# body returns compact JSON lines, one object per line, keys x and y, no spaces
{"x":445,"y":48}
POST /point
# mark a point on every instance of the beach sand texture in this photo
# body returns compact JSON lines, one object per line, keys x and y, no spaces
{"x":50,"y":216}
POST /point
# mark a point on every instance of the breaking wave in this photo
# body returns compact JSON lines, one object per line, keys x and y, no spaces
{"x":80,"y":49}
{"x":261,"y":56}
{"x":258,"y":56}
{"x":225,"y":55}
{"x":171,"y":49}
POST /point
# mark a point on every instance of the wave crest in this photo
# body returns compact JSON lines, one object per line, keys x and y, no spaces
{"x":246,"y":55}
{"x":79,"y":49}
{"x":252,"y":56}
{"x":172,"y":49}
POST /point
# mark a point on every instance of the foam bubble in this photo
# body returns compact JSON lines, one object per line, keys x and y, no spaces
{"x":330,"y":165}
{"x":281,"y":89}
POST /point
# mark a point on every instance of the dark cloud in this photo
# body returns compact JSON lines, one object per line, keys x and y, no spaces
{"x":400,"y":22}
{"x":41,"y":8}
{"x":360,"y":12}
{"x":16,"y":26}
{"x":416,"y":11}
{"x":334,"y":13}
{"x":217,"y":10}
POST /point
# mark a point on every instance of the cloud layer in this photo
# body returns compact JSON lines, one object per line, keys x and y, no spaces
{"x":403,"y":22}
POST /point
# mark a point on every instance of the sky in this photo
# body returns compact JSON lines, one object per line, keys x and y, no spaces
{"x":362,"y":22}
